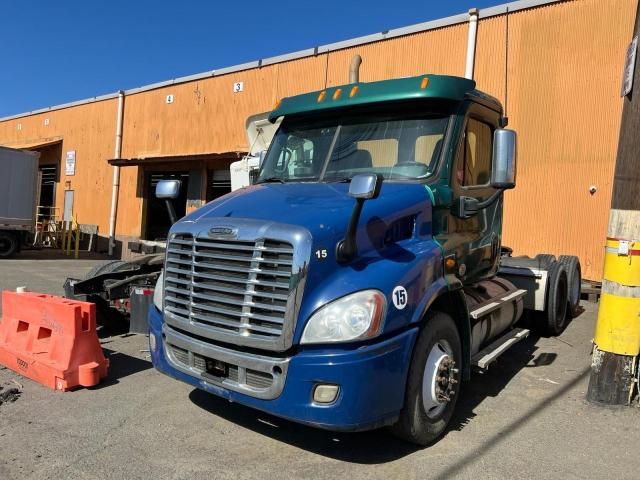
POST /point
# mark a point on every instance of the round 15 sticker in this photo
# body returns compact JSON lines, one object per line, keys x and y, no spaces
{"x":399,"y":297}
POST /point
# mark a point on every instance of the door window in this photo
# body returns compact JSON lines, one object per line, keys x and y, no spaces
{"x":476,"y":165}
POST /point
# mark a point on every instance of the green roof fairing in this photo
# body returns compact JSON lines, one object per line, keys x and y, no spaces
{"x":439,"y":86}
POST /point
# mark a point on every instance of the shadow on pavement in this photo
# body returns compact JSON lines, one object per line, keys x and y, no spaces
{"x":504,"y":434}
{"x":121,"y":365}
{"x":112,"y":323}
{"x":491,"y":382}
{"x":375,"y":447}
{"x":379,"y":446}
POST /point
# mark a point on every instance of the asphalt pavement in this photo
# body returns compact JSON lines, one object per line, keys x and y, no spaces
{"x":527,"y":417}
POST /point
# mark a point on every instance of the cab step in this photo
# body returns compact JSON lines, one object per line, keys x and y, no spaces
{"x":491,"y":352}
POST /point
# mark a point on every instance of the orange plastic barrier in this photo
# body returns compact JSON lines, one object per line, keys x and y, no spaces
{"x":51,"y":340}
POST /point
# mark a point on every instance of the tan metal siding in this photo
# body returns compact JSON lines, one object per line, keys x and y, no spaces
{"x":89,"y":130}
{"x":565,"y":64}
{"x":437,"y":51}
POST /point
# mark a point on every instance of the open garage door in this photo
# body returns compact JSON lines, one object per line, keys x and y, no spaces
{"x":156,"y":222}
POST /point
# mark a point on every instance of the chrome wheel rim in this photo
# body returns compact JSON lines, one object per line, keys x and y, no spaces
{"x":438,"y":379}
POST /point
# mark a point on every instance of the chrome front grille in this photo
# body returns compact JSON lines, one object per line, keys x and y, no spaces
{"x":230,"y":290}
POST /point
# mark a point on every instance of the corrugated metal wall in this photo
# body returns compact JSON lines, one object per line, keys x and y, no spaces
{"x":89,"y":130}
{"x":564,"y":68}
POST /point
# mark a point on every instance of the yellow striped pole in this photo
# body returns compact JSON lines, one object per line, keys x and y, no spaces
{"x":614,"y":363}
{"x":617,"y":335}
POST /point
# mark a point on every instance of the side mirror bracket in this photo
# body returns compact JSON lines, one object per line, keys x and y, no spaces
{"x":363,"y":187}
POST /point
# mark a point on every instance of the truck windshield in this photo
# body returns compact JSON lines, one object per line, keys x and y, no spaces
{"x":394,"y":147}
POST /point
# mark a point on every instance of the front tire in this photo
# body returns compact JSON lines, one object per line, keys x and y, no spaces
{"x":433,"y":383}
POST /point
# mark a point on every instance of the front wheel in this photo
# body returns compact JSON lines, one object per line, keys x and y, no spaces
{"x":433,"y":384}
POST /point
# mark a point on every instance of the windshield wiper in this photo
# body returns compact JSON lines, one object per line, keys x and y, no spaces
{"x":271,"y":180}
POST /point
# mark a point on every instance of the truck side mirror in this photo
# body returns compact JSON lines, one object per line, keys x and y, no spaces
{"x":168,"y":189}
{"x":503,"y":172}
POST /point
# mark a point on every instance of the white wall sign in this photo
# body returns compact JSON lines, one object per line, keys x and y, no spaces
{"x":70,"y":163}
{"x":629,"y":67}
{"x":169,"y":99}
{"x":238,"y":87}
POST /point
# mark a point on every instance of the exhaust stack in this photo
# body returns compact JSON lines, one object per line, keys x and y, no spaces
{"x":354,"y":69}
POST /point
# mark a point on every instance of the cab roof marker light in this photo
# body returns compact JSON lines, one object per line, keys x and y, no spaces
{"x":424,"y":83}
{"x":353,"y":91}
{"x":277,"y":105}
{"x":337,"y":94}
{"x":322,"y":96}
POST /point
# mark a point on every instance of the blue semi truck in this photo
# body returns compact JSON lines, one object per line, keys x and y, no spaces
{"x":362,"y":278}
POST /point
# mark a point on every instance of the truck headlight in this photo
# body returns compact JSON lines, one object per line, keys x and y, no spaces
{"x":356,"y":316}
{"x":158,"y":293}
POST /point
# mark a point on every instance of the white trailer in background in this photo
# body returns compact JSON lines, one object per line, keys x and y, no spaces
{"x":260,"y":132}
{"x":18,"y":198}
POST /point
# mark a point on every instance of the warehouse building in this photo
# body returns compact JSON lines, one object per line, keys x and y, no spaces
{"x":555,"y":65}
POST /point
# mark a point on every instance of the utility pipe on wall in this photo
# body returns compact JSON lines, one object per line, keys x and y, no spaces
{"x":115,"y":189}
{"x":471,"y":43}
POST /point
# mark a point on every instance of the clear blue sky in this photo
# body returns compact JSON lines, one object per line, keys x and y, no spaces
{"x":56,"y":51}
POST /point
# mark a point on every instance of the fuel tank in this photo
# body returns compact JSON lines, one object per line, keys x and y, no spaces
{"x":488,"y":327}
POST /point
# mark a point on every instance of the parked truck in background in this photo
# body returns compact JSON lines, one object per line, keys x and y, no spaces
{"x":362,"y":278}
{"x":18,"y":198}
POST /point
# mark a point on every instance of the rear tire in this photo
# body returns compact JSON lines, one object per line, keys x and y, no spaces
{"x":545,"y":259}
{"x":8,"y":244}
{"x":574,"y":281}
{"x":555,"y":314}
{"x":433,"y":382}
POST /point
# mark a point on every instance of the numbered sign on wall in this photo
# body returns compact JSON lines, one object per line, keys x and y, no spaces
{"x":238,"y":87}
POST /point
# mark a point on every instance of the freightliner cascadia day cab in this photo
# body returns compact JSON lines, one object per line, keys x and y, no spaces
{"x":356,"y":284}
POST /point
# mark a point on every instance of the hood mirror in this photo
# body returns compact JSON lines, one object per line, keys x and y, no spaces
{"x":168,"y":189}
{"x":364,"y":186}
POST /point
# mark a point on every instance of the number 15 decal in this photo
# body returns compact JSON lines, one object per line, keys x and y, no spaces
{"x":399,"y":297}
{"x":321,"y":254}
